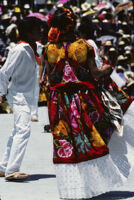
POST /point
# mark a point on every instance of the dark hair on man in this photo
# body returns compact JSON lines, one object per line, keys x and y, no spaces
{"x":28,"y":25}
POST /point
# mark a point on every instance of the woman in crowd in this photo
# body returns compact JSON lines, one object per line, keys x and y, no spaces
{"x":92,"y":148}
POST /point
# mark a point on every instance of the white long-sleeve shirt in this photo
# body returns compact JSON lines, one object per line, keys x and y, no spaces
{"x":18,"y":75}
{"x":98,"y":59}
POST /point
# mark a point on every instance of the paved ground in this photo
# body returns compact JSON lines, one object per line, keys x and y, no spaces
{"x":38,"y":162}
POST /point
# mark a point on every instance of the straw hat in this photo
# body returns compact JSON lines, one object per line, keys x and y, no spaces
{"x":120,"y":31}
{"x":85,"y":6}
{"x":121,"y":57}
{"x":108,"y":43}
{"x":95,"y":21}
{"x":5,"y":17}
{"x":104,"y":12}
{"x":121,"y":43}
{"x":126,"y":36}
{"x":41,"y":10}
{"x":124,"y":23}
{"x":5,"y":3}
{"x":27,"y":6}
{"x":112,"y":49}
{"x":94,"y":4}
{"x":75,"y":9}
{"x":127,"y":52}
{"x":49,"y":2}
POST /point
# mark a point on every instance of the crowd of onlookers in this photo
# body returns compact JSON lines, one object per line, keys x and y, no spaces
{"x":111,"y":26}
{"x":109,"y":23}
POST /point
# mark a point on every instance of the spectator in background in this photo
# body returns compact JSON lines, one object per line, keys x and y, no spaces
{"x":26,"y":10}
{"x":39,"y":71}
{"x":49,"y":8}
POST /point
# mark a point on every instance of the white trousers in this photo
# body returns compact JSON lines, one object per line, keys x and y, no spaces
{"x":18,"y":139}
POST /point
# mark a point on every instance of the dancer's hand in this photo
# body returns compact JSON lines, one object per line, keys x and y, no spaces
{"x":1,"y":100}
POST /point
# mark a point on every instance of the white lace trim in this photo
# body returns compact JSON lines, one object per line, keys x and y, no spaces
{"x":94,"y":177}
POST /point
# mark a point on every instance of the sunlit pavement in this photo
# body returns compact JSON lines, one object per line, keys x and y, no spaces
{"x":38,"y":163}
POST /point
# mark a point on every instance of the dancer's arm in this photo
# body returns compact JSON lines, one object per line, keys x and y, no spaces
{"x":98,"y":72}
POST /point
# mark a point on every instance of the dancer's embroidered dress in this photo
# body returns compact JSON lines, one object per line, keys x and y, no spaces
{"x":84,"y":114}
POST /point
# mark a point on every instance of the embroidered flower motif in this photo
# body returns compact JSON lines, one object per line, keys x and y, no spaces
{"x":74,"y":109}
{"x":94,"y":116}
{"x":69,"y":74}
{"x":62,"y":128}
{"x":66,"y":150}
{"x":82,"y":143}
{"x":74,"y":123}
{"x":96,"y":139}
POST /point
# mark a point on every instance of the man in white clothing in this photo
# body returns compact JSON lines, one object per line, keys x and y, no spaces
{"x":17,"y":82}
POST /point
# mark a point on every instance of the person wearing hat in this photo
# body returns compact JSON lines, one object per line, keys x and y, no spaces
{"x":128,"y":55}
{"x":121,"y":47}
{"x":76,"y":10}
{"x":49,"y":8}
{"x":124,"y":62}
{"x":107,"y":45}
{"x":112,"y":56}
{"x":17,"y":13}
{"x":26,"y":10}
{"x":39,"y":71}
{"x":107,"y":25}
{"x":5,"y":20}
{"x":120,"y":69}
{"x":12,"y":34}
{"x":85,"y":7}
{"x":129,"y":83}
{"x":3,"y":41}
{"x":125,"y":27}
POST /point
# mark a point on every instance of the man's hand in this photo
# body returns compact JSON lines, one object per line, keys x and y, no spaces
{"x":1,"y":100}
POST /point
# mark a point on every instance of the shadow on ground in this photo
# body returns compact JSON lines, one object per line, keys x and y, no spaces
{"x":114,"y":195}
{"x":35,"y":177}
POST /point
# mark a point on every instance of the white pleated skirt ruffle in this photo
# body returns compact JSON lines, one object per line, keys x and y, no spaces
{"x":94,"y":177}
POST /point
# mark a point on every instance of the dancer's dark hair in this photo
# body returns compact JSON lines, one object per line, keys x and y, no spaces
{"x":63,"y":22}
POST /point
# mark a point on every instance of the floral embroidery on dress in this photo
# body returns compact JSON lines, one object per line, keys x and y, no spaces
{"x":66,"y":149}
{"x":69,"y":74}
{"x":82,"y":122}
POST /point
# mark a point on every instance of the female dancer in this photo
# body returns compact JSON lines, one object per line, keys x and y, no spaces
{"x":92,"y":146}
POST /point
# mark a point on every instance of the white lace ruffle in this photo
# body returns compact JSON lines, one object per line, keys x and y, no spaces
{"x":94,"y":177}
